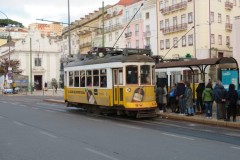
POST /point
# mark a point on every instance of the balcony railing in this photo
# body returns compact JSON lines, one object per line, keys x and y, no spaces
{"x":228,"y":5}
{"x":228,"y":26}
{"x":175,"y":7}
{"x":113,"y":28}
{"x":147,"y":46}
{"x":147,"y":34}
{"x":128,"y":34}
{"x":173,"y":29}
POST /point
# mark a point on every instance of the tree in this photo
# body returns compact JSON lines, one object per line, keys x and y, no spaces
{"x":5,"y":22}
{"x":14,"y":64}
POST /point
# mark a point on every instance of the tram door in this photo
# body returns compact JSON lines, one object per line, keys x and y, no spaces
{"x":118,"y":86}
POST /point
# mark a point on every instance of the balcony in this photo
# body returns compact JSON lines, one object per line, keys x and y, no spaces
{"x":228,"y":27}
{"x":85,"y":32}
{"x":228,"y":5}
{"x":174,"y":8}
{"x":87,"y":44}
{"x":128,"y":35}
{"x":147,"y":34}
{"x":173,"y":29}
{"x":113,"y":28}
{"x":147,"y":46}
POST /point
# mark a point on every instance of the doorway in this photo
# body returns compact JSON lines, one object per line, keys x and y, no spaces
{"x":38,"y":82}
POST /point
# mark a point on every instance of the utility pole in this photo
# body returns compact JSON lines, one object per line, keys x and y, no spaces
{"x":30,"y":83}
{"x":69,"y":33}
{"x":103,"y":40}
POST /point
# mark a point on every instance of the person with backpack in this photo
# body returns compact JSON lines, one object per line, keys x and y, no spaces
{"x":172,"y":98}
{"x":207,"y":97}
{"x":180,"y":90}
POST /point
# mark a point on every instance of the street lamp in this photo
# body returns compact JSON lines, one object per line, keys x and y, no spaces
{"x":8,"y":41}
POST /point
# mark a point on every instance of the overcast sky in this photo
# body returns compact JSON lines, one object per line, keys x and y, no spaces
{"x":27,"y":11}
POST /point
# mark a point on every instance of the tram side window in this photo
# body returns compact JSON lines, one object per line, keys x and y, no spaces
{"x":89,"y":78}
{"x":145,"y":74}
{"x":132,"y":74}
{"x":103,"y":78}
{"x":76,"y":79}
{"x":70,"y":79}
{"x":96,"y":78}
{"x":82,"y":81}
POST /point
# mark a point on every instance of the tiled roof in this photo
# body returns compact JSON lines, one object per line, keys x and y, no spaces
{"x":127,"y":2}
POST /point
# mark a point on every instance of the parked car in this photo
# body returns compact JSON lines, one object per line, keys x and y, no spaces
{"x":10,"y":90}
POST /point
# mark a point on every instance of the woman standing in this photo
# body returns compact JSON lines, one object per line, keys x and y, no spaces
{"x":188,"y":96}
{"x":232,"y":97}
{"x":159,"y":97}
{"x":207,"y":97}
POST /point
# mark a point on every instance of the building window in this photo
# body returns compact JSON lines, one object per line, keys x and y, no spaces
{"x":162,"y":44}
{"x":175,"y":42}
{"x":38,"y":62}
{"x":110,"y":37}
{"x":137,"y":43}
{"x":136,"y":30}
{"x":166,"y":24}
{"x":227,"y":40}
{"x":190,"y":40}
{"x":116,"y":35}
{"x":190,"y":18}
{"x":128,"y":44}
{"x":147,"y":15}
{"x":167,"y":43}
{"x":161,"y":24}
{"x":220,"y":39}
{"x":212,"y":17}
{"x":174,"y":23}
{"x":227,"y":19}
{"x":219,"y":18}
{"x":160,"y":5}
{"x":183,"y":18}
{"x":212,"y":39}
{"x":184,"y":41}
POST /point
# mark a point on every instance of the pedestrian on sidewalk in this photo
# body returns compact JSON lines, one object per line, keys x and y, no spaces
{"x":180,"y":90}
{"x":219,"y":94}
{"x":208,"y":100}
{"x":56,"y":87}
{"x":232,"y":97}
{"x":199,"y":102}
{"x":159,"y":97}
{"x":165,"y":94}
{"x":188,"y":97}
{"x":172,"y":98}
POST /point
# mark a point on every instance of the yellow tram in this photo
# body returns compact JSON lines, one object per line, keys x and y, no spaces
{"x":112,"y":81}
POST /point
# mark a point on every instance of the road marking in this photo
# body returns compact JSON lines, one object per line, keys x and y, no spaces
{"x":23,"y":105}
{"x":35,"y":108}
{"x":177,"y":136}
{"x":235,"y":147}
{"x":13,"y":103}
{"x":233,"y":134}
{"x":1,"y":117}
{"x":18,"y":123}
{"x":4,"y":102}
{"x":101,"y":154}
{"x":128,"y":126}
{"x":50,"y":111}
{"x":48,"y":134}
{"x":93,"y":119}
{"x":47,"y":104}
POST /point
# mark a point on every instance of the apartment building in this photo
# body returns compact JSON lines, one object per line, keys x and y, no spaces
{"x":53,"y":29}
{"x":202,"y":29}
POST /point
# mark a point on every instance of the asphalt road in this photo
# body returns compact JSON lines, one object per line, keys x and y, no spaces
{"x":32,"y":129}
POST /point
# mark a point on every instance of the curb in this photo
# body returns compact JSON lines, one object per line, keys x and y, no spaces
{"x":202,"y":120}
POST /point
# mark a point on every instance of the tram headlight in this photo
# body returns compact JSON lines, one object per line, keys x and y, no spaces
{"x":128,"y":89}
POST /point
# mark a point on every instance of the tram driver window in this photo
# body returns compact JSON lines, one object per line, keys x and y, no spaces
{"x":71,"y":79}
{"x":145,"y":74}
{"x":132,"y":74}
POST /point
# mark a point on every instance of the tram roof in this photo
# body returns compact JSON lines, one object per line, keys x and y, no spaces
{"x":110,"y":59}
{"x":197,"y":63}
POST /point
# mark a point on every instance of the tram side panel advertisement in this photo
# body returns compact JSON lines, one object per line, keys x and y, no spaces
{"x":229,"y":77}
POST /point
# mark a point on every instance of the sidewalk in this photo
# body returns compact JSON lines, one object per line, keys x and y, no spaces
{"x":200,"y":118}
{"x":49,"y":92}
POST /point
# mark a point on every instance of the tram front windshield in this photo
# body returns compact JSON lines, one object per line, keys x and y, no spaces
{"x":134,"y":77}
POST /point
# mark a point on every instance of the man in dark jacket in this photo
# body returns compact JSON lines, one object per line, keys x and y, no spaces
{"x":199,"y":102}
{"x":232,"y":97}
{"x":219,"y":95}
{"x":180,"y":90}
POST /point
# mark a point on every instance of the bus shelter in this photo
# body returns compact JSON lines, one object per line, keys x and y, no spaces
{"x":201,"y":64}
